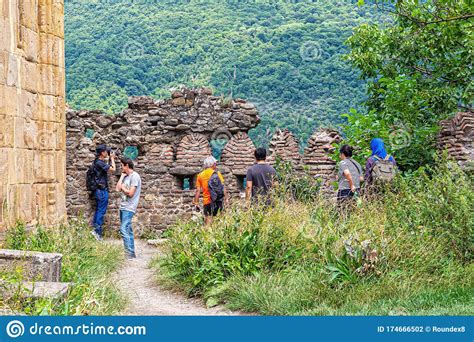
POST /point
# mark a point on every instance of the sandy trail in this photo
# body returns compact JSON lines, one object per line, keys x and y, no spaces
{"x":146,"y":298}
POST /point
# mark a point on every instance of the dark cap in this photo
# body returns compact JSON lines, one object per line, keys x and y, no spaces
{"x":101,"y":148}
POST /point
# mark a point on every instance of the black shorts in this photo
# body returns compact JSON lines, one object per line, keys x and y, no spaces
{"x":344,"y":194}
{"x":213,"y":209}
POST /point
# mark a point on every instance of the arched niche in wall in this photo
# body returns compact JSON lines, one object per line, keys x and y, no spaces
{"x":190,"y":155}
{"x":284,"y":146}
{"x":238,"y":154}
{"x":218,"y":142}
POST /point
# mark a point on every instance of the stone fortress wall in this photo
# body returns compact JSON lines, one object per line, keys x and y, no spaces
{"x":172,"y":138}
{"x":32,"y":113}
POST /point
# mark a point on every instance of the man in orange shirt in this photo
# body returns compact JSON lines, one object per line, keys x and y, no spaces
{"x":210,"y":208}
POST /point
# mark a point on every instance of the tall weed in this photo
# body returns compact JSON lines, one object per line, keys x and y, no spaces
{"x":86,"y":264}
{"x":407,"y":250}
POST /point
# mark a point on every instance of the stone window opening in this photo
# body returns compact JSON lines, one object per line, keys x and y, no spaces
{"x":217,"y":147}
{"x":241,"y":183}
{"x":89,"y":133}
{"x":130,"y":152}
{"x":186,"y":183}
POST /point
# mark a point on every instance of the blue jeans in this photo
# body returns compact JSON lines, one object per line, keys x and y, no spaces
{"x":127,"y":232}
{"x":102,"y":199}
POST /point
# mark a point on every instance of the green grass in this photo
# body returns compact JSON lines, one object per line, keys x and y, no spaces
{"x":408,"y":251}
{"x":86,"y":263}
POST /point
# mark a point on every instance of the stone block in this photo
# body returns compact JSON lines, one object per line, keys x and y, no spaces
{"x":23,"y":166}
{"x":44,"y":168}
{"x":3,"y":64}
{"x":13,"y":67}
{"x":7,"y":131}
{"x":29,"y":43}
{"x":4,"y":9}
{"x":36,"y":290}
{"x":60,"y":209}
{"x":59,"y":74}
{"x":45,"y":16}
{"x":46,"y":139}
{"x":28,"y":14}
{"x":26,"y":209}
{"x":60,"y":131}
{"x":58,"y":18}
{"x":11,"y":104}
{"x":179,"y":101}
{"x":30,"y":133}
{"x":51,"y":80}
{"x":29,"y":76}
{"x":157,"y":242}
{"x":19,"y":131}
{"x":51,"y":49}
{"x":13,"y":200}
{"x":6,"y":164}
{"x":45,"y":80}
{"x":5,"y":37}
{"x":36,"y":265}
{"x":29,"y":105}
{"x":46,"y":108}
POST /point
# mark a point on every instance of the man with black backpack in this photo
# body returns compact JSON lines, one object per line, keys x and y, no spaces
{"x":214,"y":193}
{"x":98,"y":184}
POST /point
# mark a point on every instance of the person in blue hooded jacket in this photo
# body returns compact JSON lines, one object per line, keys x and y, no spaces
{"x":378,"y":152}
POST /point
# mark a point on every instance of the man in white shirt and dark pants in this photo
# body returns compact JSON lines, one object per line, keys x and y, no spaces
{"x":130,"y":186}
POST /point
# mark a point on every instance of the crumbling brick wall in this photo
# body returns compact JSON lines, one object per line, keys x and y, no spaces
{"x":457,"y":137}
{"x":32,"y":120}
{"x":172,"y":138}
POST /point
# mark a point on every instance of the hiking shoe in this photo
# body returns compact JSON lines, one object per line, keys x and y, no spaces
{"x":130,"y":257}
{"x":97,"y":236}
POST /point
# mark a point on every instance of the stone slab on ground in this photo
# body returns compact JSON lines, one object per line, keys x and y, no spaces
{"x":156,"y":242}
{"x":36,"y":265}
{"x":36,"y":290}
{"x":46,"y":289}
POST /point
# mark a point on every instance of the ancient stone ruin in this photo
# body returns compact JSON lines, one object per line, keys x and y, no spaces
{"x":32,"y":114}
{"x":169,"y":139}
{"x":457,"y":137}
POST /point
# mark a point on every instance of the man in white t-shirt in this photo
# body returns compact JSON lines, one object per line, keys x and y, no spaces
{"x":130,"y":186}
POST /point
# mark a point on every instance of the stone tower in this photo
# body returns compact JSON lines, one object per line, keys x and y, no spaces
{"x":32,"y":113}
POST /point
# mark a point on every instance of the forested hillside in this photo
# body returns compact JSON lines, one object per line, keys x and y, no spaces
{"x":284,"y":56}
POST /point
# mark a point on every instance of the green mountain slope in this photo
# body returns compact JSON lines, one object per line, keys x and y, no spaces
{"x":284,"y":56}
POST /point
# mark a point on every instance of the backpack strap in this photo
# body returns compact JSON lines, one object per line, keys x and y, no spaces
{"x":357,"y":167}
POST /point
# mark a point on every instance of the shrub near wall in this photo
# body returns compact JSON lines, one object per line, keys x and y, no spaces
{"x":394,"y":255}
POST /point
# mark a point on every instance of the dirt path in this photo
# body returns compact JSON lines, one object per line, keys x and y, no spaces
{"x":147,"y":298}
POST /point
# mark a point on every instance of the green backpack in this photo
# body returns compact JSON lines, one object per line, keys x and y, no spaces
{"x":384,"y":170}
